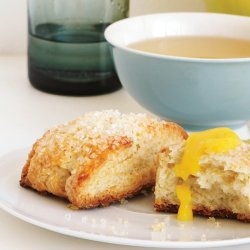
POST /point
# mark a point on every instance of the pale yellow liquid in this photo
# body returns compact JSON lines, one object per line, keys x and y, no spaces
{"x":196,"y":47}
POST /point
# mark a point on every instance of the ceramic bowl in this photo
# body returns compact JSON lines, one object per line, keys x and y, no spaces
{"x":189,"y":91}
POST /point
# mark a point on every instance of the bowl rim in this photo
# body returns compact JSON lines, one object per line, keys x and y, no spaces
{"x":112,"y":42}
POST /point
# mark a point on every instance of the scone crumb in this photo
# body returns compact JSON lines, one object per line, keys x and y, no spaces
{"x":72,"y":207}
{"x":211,"y":219}
{"x":124,"y":201}
{"x":214,"y":221}
{"x":159,"y":227}
{"x":217,"y":224}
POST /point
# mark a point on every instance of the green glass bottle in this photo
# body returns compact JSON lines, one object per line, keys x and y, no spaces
{"x":67,"y":51}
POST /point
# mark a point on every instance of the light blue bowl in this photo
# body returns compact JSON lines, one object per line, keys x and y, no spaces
{"x":192,"y":92}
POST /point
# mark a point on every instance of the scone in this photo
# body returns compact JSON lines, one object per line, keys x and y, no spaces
{"x":99,"y":158}
{"x":221,"y":187}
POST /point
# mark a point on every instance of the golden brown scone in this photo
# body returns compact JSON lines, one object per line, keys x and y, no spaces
{"x":99,"y":158}
{"x":220,"y":189}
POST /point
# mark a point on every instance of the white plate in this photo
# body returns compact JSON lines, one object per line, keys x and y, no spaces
{"x":127,"y":224}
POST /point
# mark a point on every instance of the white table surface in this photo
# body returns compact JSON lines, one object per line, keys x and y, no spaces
{"x":25,"y":114}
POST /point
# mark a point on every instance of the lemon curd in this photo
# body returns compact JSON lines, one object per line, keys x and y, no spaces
{"x":218,"y":140}
{"x":184,"y":195}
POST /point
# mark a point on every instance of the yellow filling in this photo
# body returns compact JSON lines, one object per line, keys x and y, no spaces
{"x":184,"y":195}
{"x":218,"y":140}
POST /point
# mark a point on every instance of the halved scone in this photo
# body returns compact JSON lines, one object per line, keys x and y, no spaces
{"x":99,"y":158}
{"x":221,"y":188}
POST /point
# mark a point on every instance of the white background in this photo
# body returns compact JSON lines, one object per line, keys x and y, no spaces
{"x":13,"y":20}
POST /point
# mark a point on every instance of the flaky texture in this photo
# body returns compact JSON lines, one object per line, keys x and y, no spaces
{"x":220,"y":189}
{"x":99,"y":158}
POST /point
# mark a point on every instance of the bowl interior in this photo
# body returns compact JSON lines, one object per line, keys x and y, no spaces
{"x":140,"y":28}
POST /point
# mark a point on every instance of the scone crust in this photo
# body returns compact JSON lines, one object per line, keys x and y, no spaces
{"x":203,"y":211}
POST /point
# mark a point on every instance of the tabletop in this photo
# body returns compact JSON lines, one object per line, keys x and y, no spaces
{"x":25,"y":114}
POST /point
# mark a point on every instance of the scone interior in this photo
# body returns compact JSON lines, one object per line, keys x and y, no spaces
{"x":220,"y":189}
{"x":99,"y":158}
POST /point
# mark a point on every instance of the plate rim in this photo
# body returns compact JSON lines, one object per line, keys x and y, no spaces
{"x":114,"y":239}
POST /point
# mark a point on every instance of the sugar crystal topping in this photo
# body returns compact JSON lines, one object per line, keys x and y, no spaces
{"x":93,"y":133}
